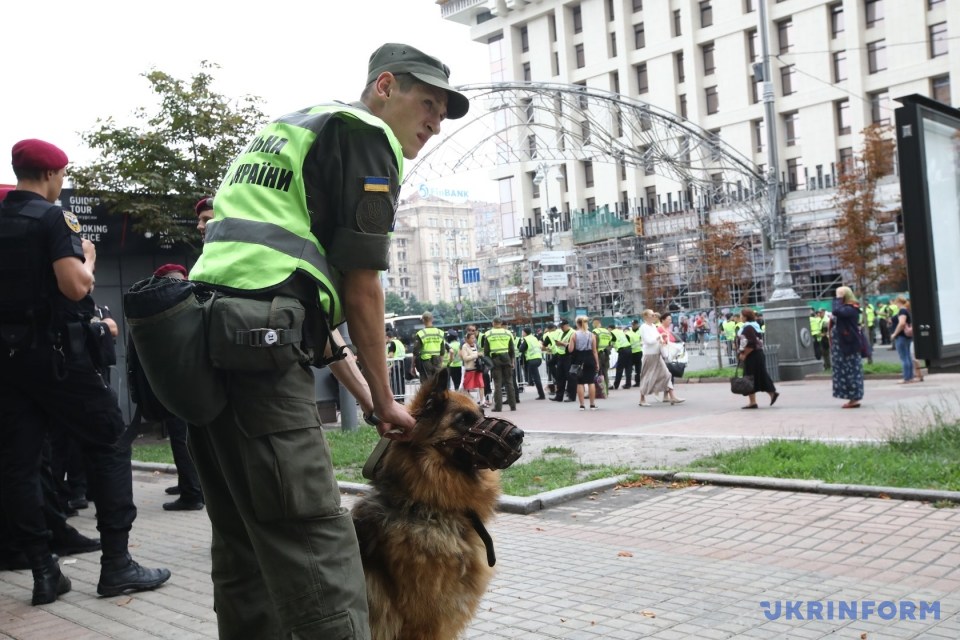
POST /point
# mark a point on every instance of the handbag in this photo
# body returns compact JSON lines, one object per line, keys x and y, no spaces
{"x":574,"y":372}
{"x":741,"y":385}
{"x":676,"y":369}
{"x":601,"y":391}
{"x":865,"y":347}
{"x":908,"y":330}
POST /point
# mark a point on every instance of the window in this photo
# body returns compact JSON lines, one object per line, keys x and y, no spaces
{"x":647,"y":158}
{"x":753,"y":54}
{"x":879,"y":109}
{"x":524,"y":40}
{"x":938,"y":40}
{"x":786,"y":79}
{"x":588,"y":173}
{"x":836,"y":19}
{"x":613,"y":45}
{"x":759,"y":135}
{"x":639,"y":37}
{"x":615,"y":82}
{"x":591,"y":204}
{"x":610,"y":11}
{"x":637,"y":5}
{"x":643,"y":85}
{"x":534,"y":184}
{"x":790,"y":122}
{"x":532,"y":146}
{"x":706,"y":14}
{"x":526,"y":72}
{"x":708,"y":61}
{"x":713,"y":100}
{"x":581,"y":60}
{"x":682,"y":100}
{"x":529,"y":109}
{"x":846,"y":160}
{"x":715,"y":153}
{"x":577,"y":20}
{"x":552,"y":25}
{"x":783,"y":34}
{"x":933,"y":3}
{"x":556,"y":63}
{"x":681,"y":76}
{"x":940,"y":89}
{"x":874,"y":12}
{"x":842,"y":108}
{"x":749,"y":6}
{"x":676,"y":24}
{"x":877,"y":56}
{"x":585,"y":132}
{"x":839,"y":66}
{"x":582,"y":99}
{"x":793,"y":174}
{"x":756,"y":89}
{"x":651,"y":194}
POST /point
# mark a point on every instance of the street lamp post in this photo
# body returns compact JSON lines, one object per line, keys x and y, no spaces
{"x":786,"y":316}
{"x":549,"y":216}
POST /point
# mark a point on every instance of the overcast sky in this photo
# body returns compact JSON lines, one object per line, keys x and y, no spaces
{"x":69,"y":63}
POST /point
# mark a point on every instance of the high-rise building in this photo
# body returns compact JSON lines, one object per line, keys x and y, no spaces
{"x":837,"y":67}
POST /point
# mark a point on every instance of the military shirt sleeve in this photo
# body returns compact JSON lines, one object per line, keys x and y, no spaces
{"x":63,"y":237}
{"x":353,"y":183}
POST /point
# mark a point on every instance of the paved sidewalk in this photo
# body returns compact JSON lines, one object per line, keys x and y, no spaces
{"x":670,"y":564}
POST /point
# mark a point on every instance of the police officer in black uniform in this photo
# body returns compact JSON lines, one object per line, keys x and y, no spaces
{"x":48,"y":375}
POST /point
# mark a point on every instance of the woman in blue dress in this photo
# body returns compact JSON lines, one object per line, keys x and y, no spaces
{"x":846,"y":349}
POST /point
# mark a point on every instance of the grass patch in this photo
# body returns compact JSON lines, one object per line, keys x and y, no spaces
{"x":877,"y":368}
{"x":558,"y":467}
{"x":725,"y":372}
{"x":923,"y":460}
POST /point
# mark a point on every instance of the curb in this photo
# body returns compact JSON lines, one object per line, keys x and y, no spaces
{"x":525,"y":505}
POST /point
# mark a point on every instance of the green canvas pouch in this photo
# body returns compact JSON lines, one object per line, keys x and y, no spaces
{"x":256,"y":335}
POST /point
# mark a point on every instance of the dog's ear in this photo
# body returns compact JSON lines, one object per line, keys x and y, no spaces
{"x":434,"y":393}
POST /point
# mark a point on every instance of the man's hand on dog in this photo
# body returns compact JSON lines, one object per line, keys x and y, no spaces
{"x":396,"y":423}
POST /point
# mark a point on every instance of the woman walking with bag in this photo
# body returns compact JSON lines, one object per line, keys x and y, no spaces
{"x":586,"y":361}
{"x":654,"y":376}
{"x":846,"y":349}
{"x":754,"y":362}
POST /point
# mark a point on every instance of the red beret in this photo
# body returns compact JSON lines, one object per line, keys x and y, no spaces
{"x":37,"y":154}
{"x":203,"y":204}
{"x":170,"y":268}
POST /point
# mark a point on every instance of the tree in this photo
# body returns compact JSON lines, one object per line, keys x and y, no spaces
{"x":393,"y":303}
{"x":860,"y":247}
{"x":726,"y":266}
{"x":176,"y":152}
{"x":521,"y":302}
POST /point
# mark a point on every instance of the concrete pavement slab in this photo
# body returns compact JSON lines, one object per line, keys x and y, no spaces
{"x":696,"y":562}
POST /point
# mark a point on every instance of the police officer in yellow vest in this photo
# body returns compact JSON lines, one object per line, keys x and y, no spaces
{"x":636,"y":353}
{"x":498,"y":346}
{"x":562,"y":356}
{"x":533,"y":358}
{"x":302,"y":221}
{"x":815,"y":323}
{"x":624,"y":359}
{"x":604,"y":340}
{"x":428,"y":348}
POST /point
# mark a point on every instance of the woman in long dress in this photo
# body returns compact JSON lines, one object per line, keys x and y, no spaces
{"x":754,"y":362}
{"x":847,"y":372}
{"x":654,"y":376}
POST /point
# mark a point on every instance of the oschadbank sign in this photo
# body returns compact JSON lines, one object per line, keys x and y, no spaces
{"x":427,"y":191}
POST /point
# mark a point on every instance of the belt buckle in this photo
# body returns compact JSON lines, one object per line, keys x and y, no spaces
{"x":263,"y":337}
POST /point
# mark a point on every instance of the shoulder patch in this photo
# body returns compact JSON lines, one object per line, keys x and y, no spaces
{"x":374,"y":214}
{"x":71,"y":219}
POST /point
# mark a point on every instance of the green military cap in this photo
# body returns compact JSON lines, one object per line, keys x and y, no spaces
{"x":402,"y":58}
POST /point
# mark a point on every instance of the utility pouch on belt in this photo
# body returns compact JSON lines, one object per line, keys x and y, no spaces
{"x":168,"y":324}
{"x":256,"y":335}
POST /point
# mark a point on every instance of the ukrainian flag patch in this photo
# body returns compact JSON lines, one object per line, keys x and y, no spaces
{"x":375,"y":183}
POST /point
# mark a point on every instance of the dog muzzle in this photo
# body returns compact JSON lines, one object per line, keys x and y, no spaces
{"x":491,"y":443}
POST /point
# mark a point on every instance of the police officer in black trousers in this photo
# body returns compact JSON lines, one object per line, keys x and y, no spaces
{"x":48,"y":376}
{"x":564,"y":387}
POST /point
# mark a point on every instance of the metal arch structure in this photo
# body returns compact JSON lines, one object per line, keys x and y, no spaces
{"x":525,"y":123}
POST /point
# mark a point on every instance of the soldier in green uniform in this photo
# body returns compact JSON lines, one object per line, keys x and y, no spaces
{"x":301,"y":228}
{"x":428,"y":348}
{"x":498,"y":346}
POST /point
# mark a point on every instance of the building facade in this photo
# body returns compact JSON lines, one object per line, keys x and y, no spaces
{"x":837,"y":66}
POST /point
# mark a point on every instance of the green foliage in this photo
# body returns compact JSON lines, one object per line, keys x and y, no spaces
{"x":177,"y":151}
{"x":393,"y":303}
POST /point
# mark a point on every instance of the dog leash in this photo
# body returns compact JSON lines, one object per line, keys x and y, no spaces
{"x":373,"y":461}
{"x":484,"y":535}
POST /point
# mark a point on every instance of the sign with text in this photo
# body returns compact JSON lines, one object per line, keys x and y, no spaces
{"x":471,"y":276}
{"x":553,"y":258}
{"x":555,"y":279}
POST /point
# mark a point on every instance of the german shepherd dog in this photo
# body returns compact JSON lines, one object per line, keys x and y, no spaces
{"x":426,"y":553}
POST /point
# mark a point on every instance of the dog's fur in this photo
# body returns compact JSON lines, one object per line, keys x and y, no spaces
{"x":426,"y":566}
